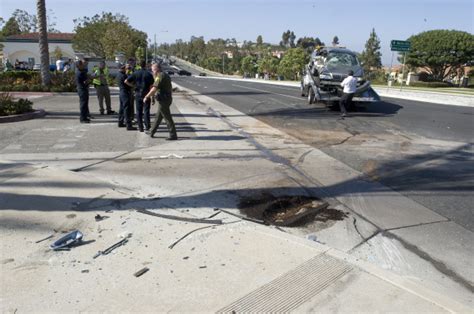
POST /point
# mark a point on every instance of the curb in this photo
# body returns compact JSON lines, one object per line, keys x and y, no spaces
{"x":23,"y":117}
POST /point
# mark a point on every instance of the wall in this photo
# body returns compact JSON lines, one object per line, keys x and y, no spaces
{"x":24,"y":50}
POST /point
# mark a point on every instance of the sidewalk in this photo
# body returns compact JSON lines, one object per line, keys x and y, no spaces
{"x":235,"y":266}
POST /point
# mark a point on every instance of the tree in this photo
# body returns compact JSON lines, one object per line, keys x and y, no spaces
{"x":307,"y":43}
{"x":58,"y":53}
{"x":43,"y":42}
{"x":140,"y":54}
{"x":335,"y":41}
{"x":28,"y":23}
{"x":248,"y":66}
{"x":259,"y":41}
{"x":11,"y":27}
{"x":318,"y":42}
{"x":268,"y":64}
{"x":291,"y":41}
{"x":292,"y":63}
{"x":371,"y":57}
{"x":104,"y":35}
{"x":441,"y":52}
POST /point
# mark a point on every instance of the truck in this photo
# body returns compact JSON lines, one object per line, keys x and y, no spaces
{"x":327,"y":68}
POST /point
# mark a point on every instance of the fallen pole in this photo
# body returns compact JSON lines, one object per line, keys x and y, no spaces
{"x":185,"y":219}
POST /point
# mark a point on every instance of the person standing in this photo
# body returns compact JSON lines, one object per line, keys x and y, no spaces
{"x":164,"y":95}
{"x":82,"y":84}
{"x":349,"y":85}
{"x":102,"y":87}
{"x":125,"y":112}
{"x":143,"y":80}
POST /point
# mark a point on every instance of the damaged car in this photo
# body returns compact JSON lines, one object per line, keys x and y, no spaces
{"x":328,"y":67}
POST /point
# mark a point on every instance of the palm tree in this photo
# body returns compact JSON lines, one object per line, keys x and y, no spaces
{"x":43,"y":42}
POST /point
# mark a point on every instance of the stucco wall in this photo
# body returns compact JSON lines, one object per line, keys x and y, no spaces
{"x":24,"y":50}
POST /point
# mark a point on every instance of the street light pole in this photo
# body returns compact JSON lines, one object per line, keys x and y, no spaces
{"x":154,"y":49}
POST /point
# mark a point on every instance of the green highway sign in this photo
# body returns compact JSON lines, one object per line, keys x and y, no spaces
{"x":400,"y":45}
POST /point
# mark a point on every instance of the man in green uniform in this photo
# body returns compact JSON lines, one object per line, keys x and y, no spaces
{"x":163,"y":90}
{"x":101,"y":85}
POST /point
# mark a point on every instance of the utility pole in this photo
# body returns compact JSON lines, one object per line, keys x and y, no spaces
{"x":154,"y":50}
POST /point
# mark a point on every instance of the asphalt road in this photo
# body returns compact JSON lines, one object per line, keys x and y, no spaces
{"x":422,"y":150}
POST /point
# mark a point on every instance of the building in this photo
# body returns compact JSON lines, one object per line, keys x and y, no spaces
{"x":25,"y":48}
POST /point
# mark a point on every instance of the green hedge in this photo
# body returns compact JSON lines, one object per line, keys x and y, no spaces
{"x":9,"y":106}
{"x":30,"y":81}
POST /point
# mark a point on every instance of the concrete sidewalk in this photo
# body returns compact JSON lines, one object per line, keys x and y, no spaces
{"x":235,"y":266}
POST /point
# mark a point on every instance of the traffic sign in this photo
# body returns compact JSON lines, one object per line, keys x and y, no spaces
{"x":400,"y":45}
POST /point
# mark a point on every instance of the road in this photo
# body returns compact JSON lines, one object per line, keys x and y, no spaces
{"x":422,"y":150}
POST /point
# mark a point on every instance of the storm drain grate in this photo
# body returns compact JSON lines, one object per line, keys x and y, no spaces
{"x":292,"y":289}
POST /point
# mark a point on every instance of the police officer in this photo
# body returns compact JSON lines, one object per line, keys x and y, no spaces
{"x":143,"y":81}
{"x":82,"y":83}
{"x":101,"y":85}
{"x":126,"y":105}
{"x":163,"y":90}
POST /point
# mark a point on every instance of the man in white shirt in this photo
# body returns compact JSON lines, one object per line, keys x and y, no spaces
{"x":350,"y":86}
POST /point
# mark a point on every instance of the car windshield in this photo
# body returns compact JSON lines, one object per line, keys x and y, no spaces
{"x":336,"y":58}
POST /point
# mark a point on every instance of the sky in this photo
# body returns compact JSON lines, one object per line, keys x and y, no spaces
{"x":350,"y":20}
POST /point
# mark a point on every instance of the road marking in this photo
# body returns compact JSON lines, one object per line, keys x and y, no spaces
{"x":262,"y":90}
{"x":13,"y":146}
{"x":63,"y":146}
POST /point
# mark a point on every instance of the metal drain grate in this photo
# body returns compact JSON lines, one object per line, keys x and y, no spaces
{"x":292,"y":289}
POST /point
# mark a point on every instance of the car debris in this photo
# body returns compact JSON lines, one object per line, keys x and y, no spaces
{"x":185,"y":219}
{"x":328,"y":67}
{"x":141,"y":271}
{"x":98,"y":217}
{"x":113,"y":247}
{"x":70,"y":239}
{"x":44,"y":239}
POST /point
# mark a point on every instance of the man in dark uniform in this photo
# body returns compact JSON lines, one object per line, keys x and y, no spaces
{"x":125,"y":112}
{"x":143,"y":81}
{"x":82,"y":83}
{"x":164,"y":95}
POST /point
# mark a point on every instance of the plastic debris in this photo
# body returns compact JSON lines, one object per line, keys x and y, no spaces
{"x":141,"y":271}
{"x":68,"y":240}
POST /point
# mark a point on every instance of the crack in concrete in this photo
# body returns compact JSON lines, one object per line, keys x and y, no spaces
{"x":437,"y":264}
{"x":303,"y":156}
{"x":354,"y":222}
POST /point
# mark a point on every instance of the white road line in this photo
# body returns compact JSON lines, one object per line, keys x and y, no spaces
{"x":266,"y":91}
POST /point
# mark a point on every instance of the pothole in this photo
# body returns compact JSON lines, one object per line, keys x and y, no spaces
{"x":287,"y":210}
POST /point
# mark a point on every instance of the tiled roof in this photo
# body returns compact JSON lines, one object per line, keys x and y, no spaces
{"x":67,"y":37}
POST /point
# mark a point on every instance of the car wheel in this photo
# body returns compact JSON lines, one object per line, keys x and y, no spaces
{"x":310,"y":96}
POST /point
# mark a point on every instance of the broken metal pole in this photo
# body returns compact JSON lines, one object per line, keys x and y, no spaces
{"x":185,"y":219}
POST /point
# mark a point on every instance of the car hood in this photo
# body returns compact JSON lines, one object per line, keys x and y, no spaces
{"x":341,"y":71}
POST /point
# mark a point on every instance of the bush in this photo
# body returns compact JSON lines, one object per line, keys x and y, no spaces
{"x":8,"y":106}
{"x":24,"y":81}
{"x":431,"y":84}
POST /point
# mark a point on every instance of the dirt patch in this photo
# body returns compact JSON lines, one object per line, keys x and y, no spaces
{"x":287,"y":210}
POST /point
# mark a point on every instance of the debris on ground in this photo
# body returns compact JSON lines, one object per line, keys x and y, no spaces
{"x":98,"y":217}
{"x":286,"y":210}
{"x":195,"y":220}
{"x":169,"y":156}
{"x":112,"y":247}
{"x":68,"y":240}
{"x":44,"y":239}
{"x":141,"y":272}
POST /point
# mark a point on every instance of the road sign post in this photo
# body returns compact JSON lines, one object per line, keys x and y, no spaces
{"x":401,"y":46}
